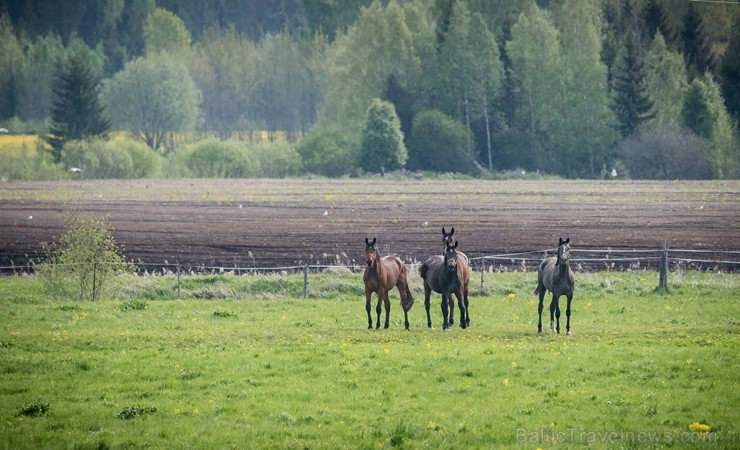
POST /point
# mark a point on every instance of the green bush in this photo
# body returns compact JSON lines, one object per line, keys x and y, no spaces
{"x":97,"y":159}
{"x":145,"y":162}
{"x":439,"y":143}
{"x":329,"y":151}
{"x":381,"y":140}
{"x":213,"y":158}
{"x":39,"y":167}
{"x":81,"y":263}
{"x":277,"y":159}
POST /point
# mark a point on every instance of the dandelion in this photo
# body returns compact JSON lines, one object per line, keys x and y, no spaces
{"x":514,"y":364}
{"x":511,"y":296}
{"x":506,"y":382}
{"x":701,"y":427}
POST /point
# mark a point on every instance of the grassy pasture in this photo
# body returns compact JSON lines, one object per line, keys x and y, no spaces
{"x":269,"y":370}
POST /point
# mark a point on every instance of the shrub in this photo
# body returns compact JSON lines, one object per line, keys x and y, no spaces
{"x":661,"y":152}
{"x":80,"y":264}
{"x":381,"y":140}
{"x":213,"y":158}
{"x":328,"y":151}
{"x":277,"y":159}
{"x":145,"y":162}
{"x":439,"y":143}
{"x":97,"y":159}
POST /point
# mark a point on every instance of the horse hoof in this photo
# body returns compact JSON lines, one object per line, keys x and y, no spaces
{"x":567,"y":333}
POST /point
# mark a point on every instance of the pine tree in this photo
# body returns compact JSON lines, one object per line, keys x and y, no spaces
{"x":632,"y":103}
{"x":700,"y":57}
{"x":76,"y":112}
{"x":730,"y":72}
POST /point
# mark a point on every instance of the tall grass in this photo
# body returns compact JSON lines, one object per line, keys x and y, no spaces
{"x":270,"y":370}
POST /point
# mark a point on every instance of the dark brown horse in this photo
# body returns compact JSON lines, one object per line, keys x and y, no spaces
{"x":440,"y":274}
{"x":381,"y":274}
{"x":463,"y":272}
{"x":555,"y":275}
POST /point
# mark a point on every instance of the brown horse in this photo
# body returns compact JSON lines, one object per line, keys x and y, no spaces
{"x":555,"y":275}
{"x":440,"y":274}
{"x":381,"y":274}
{"x":463,"y":273}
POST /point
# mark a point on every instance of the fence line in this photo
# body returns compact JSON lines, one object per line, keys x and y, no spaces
{"x":612,"y":260}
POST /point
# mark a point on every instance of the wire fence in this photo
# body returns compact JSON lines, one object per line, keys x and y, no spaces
{"x":662,"y":260}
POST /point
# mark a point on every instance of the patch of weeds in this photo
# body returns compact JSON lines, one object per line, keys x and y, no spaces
{"x":33,"y":410}
{"x":224,"y":315}
{"x":650,"y":411}
{"x":400,"y":434}
{"x":68,"y":308}
{"x":134,"y":305}
{"x":82,"y":366}
{"x":188,"y":375}
{"x":131,"y":412}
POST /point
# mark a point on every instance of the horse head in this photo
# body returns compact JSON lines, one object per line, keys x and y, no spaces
{"x":447,"y":237}
{"x":371,"y":253}
{"x":563,"y":250}
{"x":451,"y":257}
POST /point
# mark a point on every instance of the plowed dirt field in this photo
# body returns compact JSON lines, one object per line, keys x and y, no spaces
{"x":268,"y":223}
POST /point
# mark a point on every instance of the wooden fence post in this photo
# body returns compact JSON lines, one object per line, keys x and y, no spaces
{"x":664,"y":267}
{"x":305,"y":281}
{"x":178,"y":281}
{"x":482,"y":269}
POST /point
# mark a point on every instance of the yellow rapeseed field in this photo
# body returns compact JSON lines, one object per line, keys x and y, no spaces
{"x":17,"y":145}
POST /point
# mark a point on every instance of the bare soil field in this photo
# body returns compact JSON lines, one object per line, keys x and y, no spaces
{"x":268,"y":223}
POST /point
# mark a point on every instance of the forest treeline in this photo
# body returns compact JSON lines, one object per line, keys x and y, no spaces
{"x":607,"y":88}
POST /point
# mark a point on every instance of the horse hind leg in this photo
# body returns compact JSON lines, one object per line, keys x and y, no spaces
{"x":463,"y":310}
{"x":427,"y":294}
{"x":387,"y":303}
{"x":539,"y":311}
{"x":467,"y":306}
{"x":555,"y":314}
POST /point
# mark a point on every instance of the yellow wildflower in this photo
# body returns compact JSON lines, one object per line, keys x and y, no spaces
{"x":702,"y":427}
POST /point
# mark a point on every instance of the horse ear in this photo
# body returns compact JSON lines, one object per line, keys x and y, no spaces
{"x":455,"y":244}
{"x":373,"y":241}
{"x":444,"y":233}
{"x":560,"y":242}
{"x":452,"y":231}
{"x":567,"y":240}
{"x":367,"y":242}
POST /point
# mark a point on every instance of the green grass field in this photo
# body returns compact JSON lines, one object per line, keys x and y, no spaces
{"x":267,"y":370}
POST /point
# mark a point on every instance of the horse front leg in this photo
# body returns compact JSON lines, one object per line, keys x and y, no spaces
{"x":368,"y":296}
{"x":445,"y":311}
{"x":555,"y":313}
{"x":567,"y":314}
{"x":378,"y":308}
{"x":451,"y":303}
